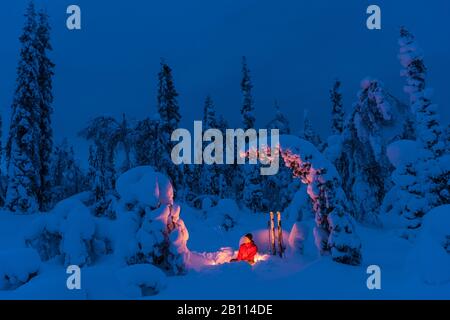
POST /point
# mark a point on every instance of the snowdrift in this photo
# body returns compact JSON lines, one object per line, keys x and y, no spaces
{"x":18,"y":267}
{"x":433,"y":247}
{"x":141,"y":280}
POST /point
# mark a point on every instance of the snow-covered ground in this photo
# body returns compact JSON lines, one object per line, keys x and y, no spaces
{"x":306,"y":276}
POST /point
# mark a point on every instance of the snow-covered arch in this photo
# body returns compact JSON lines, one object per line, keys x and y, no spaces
{"x":335,"y":228}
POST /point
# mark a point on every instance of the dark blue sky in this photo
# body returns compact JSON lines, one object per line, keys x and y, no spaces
{"x":295,"y":49}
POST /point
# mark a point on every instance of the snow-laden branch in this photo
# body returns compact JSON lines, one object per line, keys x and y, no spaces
{"x":335,"y":228}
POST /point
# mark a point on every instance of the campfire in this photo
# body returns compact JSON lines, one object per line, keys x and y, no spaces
{"x":258,"y":258}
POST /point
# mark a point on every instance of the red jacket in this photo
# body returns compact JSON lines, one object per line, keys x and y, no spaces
{"x":247,"y":252}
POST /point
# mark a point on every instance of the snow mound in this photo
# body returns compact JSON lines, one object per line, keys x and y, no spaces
{"x":18,"y":267}
{"x":145,"y":186}
{"x":433,"y":246}
{"x":68,"y":231}
{"x":77,"y":228}
{"x":141,"y":280}
{"x":297,"y":237}
{"x":401,"y":151}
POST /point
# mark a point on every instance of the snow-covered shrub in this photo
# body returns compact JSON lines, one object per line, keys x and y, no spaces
{"x":141,"y":280}
{"x":105,"y":207}
{"x":363,"y":164}
{"x":154,"y":232}
{"x":421,"y":182}
{"x":433,"y":246}
{"x":68,"y":230}
{"x":17,"y":267}
{"x":335,"y":230}
{"x":297,"y":237}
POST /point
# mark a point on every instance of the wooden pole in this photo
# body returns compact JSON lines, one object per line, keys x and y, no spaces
{"x":270,"y":236}
{"x":280,"y":234}
{"x":272,"y":230}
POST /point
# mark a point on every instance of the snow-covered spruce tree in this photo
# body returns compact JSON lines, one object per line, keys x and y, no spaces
{"x":209,"y":114}
{"x":408,"y":132}
{"x":209,"y":173}
{"x":207,"y":180}
{"x":447,"y":139}
{"x":309,"y":134}
{"x":332,"y":147}
{"x":104,"y":132}
{"x":247,"y":109}
{"x":169,"y":118}
{"x":335,"y":230}
{"x":2,"y":190}
{"x":95,"y":176}
{"x":22,"y":149}
{"x":367,"y":173}
{"x":192,"y":182}
{"x":222,"y":124}
{"x":280,"y":121}
{"x":168,"y":108}
{"x":421,"y":183}
{"x":337,"y":109}
{"x":45,"y":76}
{"x":67,"y":176}
{"x":125,"y":143}
{"x":153,"y":230}
{"x":428,"y":128}
{"x":144,"y":136}
{"x":253,"y":197}
{"x":228,"y":171}
{"x":222,"y":187}
{"x":246,"y":178}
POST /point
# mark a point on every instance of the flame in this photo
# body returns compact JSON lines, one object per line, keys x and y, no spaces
{"x":258,"y":258}
{"x":261,"y":257}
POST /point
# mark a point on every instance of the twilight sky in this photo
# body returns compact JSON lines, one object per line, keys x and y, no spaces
{"x":295,"y":49}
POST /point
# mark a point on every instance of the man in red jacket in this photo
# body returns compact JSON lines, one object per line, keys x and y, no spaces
{"x":247,"y":250}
